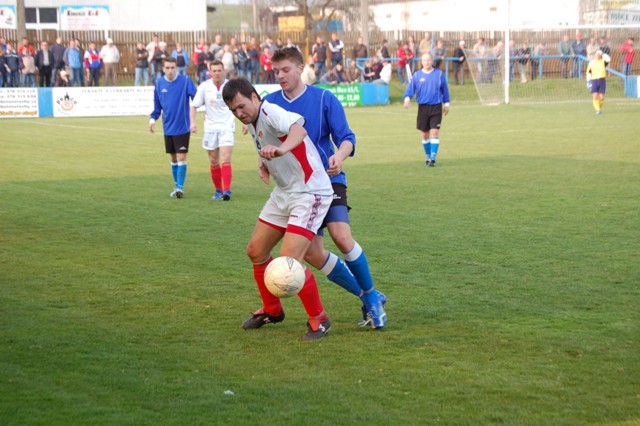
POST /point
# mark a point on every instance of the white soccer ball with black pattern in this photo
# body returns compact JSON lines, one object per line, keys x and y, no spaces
{"x":284,"y":276}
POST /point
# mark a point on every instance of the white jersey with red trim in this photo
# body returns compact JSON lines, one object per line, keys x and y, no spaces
{"x":218,"y":117}
{"x":299,"y":170}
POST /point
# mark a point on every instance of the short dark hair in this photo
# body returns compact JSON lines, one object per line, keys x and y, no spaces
{"x":216,"y":62}
{"x":238,"y":85}
{"x":291,"y":53}
{"x":170,"y":59}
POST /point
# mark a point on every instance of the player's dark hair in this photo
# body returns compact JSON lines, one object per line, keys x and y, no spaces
{"x":170,"y":59}
{"x":238,"y":85}
{"x":291,"y":53}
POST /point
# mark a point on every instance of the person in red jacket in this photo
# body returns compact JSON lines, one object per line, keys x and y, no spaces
{"x":627,"y":56}
{"x":266,"y":68}
{"x":405,"y":56}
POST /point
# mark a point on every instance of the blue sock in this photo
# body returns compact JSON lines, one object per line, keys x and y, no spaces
{"x":174,"y":172}
{"x":435,"y":144}
{"x":181,"y":174}
{"x":335,"y":269}
{"x":358,"y":265}
{"x":426,"y":145}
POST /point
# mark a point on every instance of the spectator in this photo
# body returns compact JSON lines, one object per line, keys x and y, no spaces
{"x":369,"y":73}
{"x":353,"y":73}
{"x":198,"y":49}
{"x":336,"y":46}
{"x":254,"y":58}
{"x":494,"y":60}
{"x":26,"y":45}
{"x":58,"y":50}
{"x":458,"y":63}
{"x":579,"y":48}
{"x":152,"y":48}
{"x":524,"y":53}
{"x":413,"y":47}
{"x":405,"y":56}
{"x":142,"y":65}
{"x":204,"y":59}
{"x":268,"y":44}
{"x":604,"y":46}
{"x":45,"y":64}
{"x":376,"y":66}
{"x":73,"y":60}
{"x":385,"y":73}
{"x":228,"y":62}
{"x":3,"y":65}
{"x":480,"y":51}
{"x":93,"y":63}
{"x":62,"y":79}
{"x":425,"y":45}
{"x":628,"y":52}
{"x":244,"y":61}
{"x":513,"y":52}
{"x":161,"y":54}
{"x":438,"y":53}
{"x":538,"y":52}
{"x":566,"y":52}
{"x":81,"y":51}
{"x":290,"y":43}
{"x":592,"y":48}
{"x":360,"y":51}
{"x":12,"y":66}
{"x":383,"y":52}
{"x":266,"y":71}
{"x":3,"y":44}
{"x":110,"y":58}
{"x":334,"y":76}
{"x":216,"y":47}
{"x":27,"y":68}
{"x":319,"y":52}
{"x":309,"y":72}
{"x":182,"y":58}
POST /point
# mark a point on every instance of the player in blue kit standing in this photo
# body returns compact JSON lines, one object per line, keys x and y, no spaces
{"x":327,"y":127}
{"x":432,"y":96}
{"x":171,"y":99}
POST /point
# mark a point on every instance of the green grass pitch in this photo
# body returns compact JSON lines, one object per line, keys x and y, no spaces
{"x":511,"y":271}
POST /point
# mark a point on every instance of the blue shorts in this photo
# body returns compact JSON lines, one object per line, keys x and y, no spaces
{"x":339,"y":210}
{"x":599,"y":85}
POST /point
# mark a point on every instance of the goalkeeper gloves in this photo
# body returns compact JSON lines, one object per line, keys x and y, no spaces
{"x":589,"y":84}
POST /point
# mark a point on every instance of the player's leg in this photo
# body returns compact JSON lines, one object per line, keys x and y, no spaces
{"x":423,"y":125}
{"x":171,"y":150}
{"x":332,"y":266}
{"x":181,"y":143}
{"x":433,"y":122}
{"x":265,"y":236}
{"x":226,"y":149}
{"x":210,"y":143}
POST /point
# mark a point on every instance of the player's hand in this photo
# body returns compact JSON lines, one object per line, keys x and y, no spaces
{"x":152,"y":127}
{"x":335,"y":166}
{"x":263,"y":172}
{"x":445,"y":110}
{"x":407,"y":104}
{"x":194,"y":128}
{"x":588,"y":84}
{"x":245,"y":129}
{"x":270,"y":151}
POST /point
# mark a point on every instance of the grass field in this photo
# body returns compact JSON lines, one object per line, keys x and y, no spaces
{"x":511,"y":271}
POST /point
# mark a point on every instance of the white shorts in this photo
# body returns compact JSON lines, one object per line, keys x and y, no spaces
{"x":214,"y":140}
{"x":299,"y":212}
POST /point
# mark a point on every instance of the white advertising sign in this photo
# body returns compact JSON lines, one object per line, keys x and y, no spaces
{"x":102,"y":101}
{"x":15,"y":103}
{"x":7,"y":16}
{"x":84,"y":18}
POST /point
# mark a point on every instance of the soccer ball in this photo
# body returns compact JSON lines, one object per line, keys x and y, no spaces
{"x":284,"y":276}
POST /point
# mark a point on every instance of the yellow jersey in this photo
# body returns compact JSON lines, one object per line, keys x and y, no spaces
{"x":597,"y":69}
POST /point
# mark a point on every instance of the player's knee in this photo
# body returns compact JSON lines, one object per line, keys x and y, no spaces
{"x":343,"y":240}
{"x":315,"y":258}
{"x":256,"y":253}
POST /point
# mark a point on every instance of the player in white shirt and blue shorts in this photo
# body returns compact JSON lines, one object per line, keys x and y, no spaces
{"x":297,"y":205}
{"x":219,"y":130}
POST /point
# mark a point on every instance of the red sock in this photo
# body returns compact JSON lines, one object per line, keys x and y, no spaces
{"x":226,"y":176}
{"x":271,"y":303}
{"x":216,"y":176}
{"x":310,"y":299}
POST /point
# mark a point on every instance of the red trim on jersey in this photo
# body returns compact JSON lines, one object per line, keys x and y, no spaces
{"x":276,"y":227}
{"x":300,"y":152}
{"x":294,"y":229}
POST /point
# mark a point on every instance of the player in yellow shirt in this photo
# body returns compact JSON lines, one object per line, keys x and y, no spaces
{"x":596,"y":80}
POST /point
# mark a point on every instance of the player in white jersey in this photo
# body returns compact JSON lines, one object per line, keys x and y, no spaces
{"x":297,"y":205}
{"x":219,"y":129}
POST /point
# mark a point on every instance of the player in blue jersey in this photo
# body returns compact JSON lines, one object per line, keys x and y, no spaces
{"x":327,"y":127}
{"x":171,"y":99}
{"x":431,"y":90}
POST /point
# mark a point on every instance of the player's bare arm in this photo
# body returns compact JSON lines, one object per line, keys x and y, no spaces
{"x":263,"y":172}
{"x":192,"y":118}
{"x":336,"y":160}
{"x":152,"y":125}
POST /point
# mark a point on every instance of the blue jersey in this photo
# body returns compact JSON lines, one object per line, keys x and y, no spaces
{"x":171,"y":98}
{"x":430,"y":88}
{"x":325,"y":121}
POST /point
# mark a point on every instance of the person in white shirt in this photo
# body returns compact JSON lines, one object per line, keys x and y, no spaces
{"x":296,"y":207}
{"x":219,"y":130}
{"x":110,"y":58}
{"x":385,"y":73}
